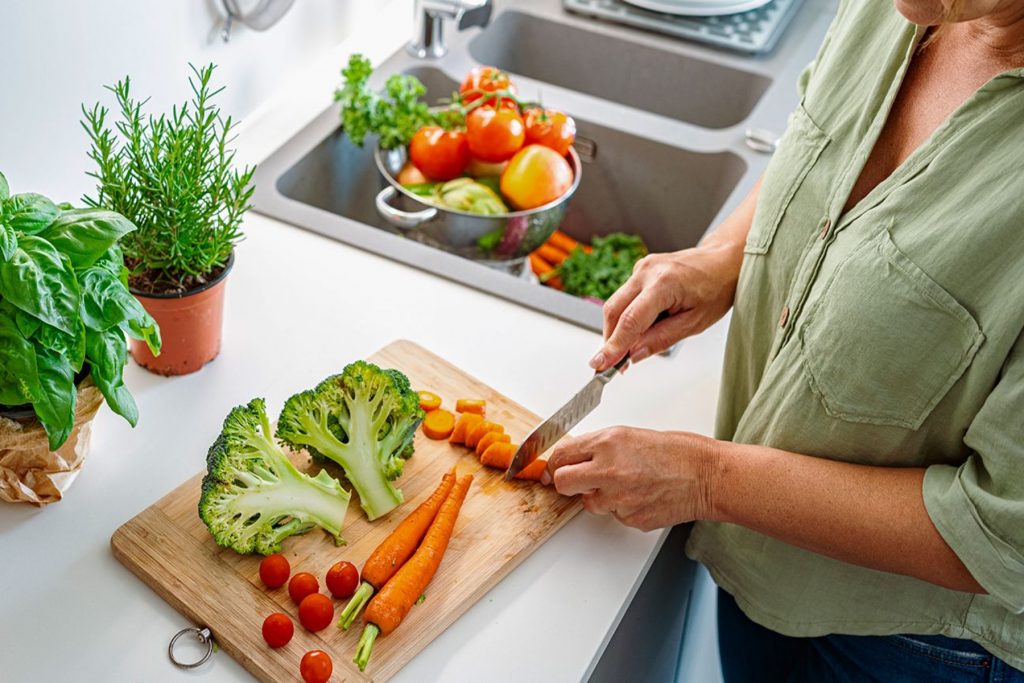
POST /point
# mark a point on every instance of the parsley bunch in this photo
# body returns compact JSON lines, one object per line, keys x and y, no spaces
{"x":605,"y":269}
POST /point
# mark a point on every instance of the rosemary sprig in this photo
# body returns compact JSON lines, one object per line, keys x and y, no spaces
{"x":172,"y":175}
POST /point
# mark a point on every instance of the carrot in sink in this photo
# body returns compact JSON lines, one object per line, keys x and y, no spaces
{"x":565,"y":243}
{"x":393,"y":602}
{"x":544,"y":271}
{"x":466,"y":422}
{"x":392,"y":553}
{"x":474,"y":435}
{"x":552,"y":254}
{"x":491,"y":437}
{"x":438,"y":424}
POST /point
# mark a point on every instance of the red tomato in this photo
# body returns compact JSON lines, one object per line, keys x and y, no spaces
{"x":316,"y":667}
{"x":535,"y":176}
{"x":301,"y":585}
{"x":277,"y":629}
{"x":274,"y":571}
{"x":440,"y":154}
{"x":342,"y":579}
{"x":494,"y":134}
{"x":484,"y":80}
{"x":316,"y":611}
{"x":550,"y":128}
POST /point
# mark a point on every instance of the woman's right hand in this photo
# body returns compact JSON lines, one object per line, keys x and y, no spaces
{"x":688,"y":290}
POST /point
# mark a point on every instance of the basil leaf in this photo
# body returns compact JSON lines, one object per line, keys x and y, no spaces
{"x":71,"y":346}
{"x":8,"y":242}
{"x":29,"y":212}
{"x":19,"y":377}
{"x":39,"y":280}
{"x":107,"y":304}
{"x":55,"y":402}
{"x":85,"y":235}
{"x":5,"y":189}
{"x":107,"y":353}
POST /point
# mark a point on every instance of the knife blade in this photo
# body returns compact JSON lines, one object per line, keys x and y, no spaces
{"x":565,"y":418}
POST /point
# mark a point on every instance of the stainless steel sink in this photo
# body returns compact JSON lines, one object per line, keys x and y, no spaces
{"x":631,"y":72}
{"x":660,"y":128}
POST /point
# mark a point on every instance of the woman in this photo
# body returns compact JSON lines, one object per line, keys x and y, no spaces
{"x":862,"y":509}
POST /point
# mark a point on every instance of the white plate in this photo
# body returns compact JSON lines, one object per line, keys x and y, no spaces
{"x":699,"y":8}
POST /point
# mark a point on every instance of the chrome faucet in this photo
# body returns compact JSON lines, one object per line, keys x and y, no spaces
{"x":428,"y":36}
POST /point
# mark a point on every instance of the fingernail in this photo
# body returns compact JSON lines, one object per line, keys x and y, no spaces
{"x":640,"y":354}
{"x":545,"y":478}
{"x":597,"y":361}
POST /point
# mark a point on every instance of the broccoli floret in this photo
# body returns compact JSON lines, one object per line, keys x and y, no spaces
{"x":253,"y":497}
{"x":363,"y":419}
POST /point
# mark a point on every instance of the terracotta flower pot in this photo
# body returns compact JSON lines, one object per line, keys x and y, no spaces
{"x":29,"y":471}
{"x":190,"y":327}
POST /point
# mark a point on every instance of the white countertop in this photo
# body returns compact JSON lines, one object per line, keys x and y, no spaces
{"x":299,"y":307}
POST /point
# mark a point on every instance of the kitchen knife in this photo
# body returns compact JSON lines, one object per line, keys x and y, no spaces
{"x":564,"y":419}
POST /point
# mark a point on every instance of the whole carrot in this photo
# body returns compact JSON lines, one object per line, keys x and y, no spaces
{"x":565,"y":243}
{"x":393,"y":602}
{"x":392,"y":553}
{"x":552,"y":254}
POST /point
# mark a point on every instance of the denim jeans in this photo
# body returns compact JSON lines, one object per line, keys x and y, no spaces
{"x":751,"y":652}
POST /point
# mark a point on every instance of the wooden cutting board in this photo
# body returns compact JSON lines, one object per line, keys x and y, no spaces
{"x":501,"y":523}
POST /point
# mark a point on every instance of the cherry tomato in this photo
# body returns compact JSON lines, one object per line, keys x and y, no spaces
{"x":277,"y":629}
{"x":494,"y":134}
{"x":316,"y":667}
{"x":484,"y":80}
{"x":342,"y":579}
{"x":535,"y":176}
{"x":274,"y":571}
{"x":550,"y":128}
{"x":316,"y":611}
{"x":410,"y":175}
{"x":301,"y":585}
{"x":440,"y":154}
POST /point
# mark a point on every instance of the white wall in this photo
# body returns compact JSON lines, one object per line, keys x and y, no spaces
{"x":57,"y":54}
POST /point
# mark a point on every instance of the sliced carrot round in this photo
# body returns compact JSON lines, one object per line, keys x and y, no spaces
{"x":533,"y":471}
{"x":474,"y":435}
{"x":429,"y":400}
{"x":499,"y":455}
{"x":491,"y":437}
{"x":438,"y":424}
{"x":471,"y":405}
{"x":467,"y":421}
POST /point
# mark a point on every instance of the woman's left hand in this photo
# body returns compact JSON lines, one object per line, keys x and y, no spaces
{"x":647,"y":479}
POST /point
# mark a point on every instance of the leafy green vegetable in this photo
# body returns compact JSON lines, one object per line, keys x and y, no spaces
{"x":173,"y":176}
{"x":5,"y":189}
{"x":29,"y":212}
{"x":603,"y":270}
{"x":363,"y":419}
{"x":253,"y":497}
{"x":394,"y":115}
{"x":63,"y":301}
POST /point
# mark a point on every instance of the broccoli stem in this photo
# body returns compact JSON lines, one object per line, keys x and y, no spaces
{"x":355,"y":605}
{"x":365,"y":646}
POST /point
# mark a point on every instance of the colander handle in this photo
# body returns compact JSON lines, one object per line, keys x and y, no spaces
{"x":406,"y":220}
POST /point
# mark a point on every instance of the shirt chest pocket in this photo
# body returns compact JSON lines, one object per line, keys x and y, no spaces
{"x":884,"y":342}
{"x":797,"y":152}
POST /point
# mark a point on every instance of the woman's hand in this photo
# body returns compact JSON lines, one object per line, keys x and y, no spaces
{"x":693,"y":288}
{"x":647,"y":479}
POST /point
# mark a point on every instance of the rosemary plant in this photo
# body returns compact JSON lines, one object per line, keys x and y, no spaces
{"x":172,"y":175}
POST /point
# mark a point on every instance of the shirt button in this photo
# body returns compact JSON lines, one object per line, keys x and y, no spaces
{"x":826,"y":226}
{"x":784,"y":317}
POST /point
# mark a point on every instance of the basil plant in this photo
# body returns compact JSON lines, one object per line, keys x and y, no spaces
{"x":64,"y":309}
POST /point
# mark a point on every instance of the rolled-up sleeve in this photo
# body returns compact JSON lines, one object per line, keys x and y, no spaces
{"x":978,"y":507}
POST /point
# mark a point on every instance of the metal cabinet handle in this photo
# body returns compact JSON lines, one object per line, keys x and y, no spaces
{"x":405,"y":220}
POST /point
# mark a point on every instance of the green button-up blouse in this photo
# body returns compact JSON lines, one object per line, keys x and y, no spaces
{"x":887,"y":335}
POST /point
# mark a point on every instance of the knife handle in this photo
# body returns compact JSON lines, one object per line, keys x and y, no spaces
{"x":607,"y":375}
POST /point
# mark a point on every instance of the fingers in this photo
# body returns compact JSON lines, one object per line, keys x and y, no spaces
{"x":614,"y":307}
{"x":636,"y":319}
{"x":662,"y":335}
{"x":597,"y":503}
{"x":573,"y":480}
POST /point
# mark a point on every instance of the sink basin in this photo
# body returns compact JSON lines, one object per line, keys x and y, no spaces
{"x":666,"y":194}
{"x":675,"y":85}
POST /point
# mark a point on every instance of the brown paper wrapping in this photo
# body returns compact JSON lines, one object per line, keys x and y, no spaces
{"x":29,"y":471}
